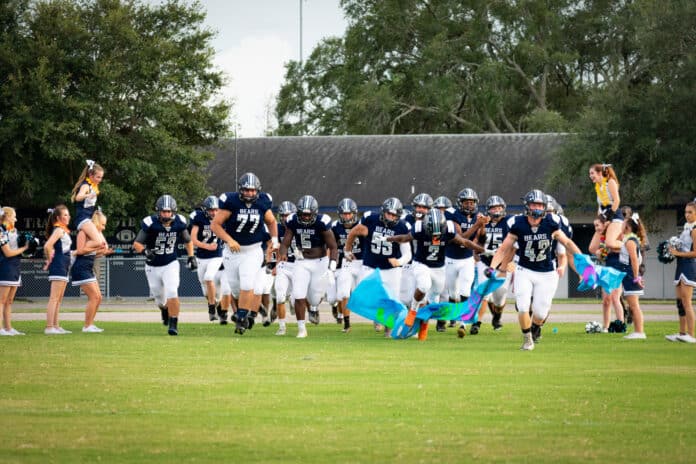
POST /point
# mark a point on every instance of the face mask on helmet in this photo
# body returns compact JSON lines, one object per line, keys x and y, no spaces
{"x":347,"y":212}
{"x":538,"y":198}
{"x":210,"y":205}
{"x":498,"y":203}
{"x":393,"y":207}
{"x":421,"y":205}
{"x":307,"y":210}
{"x":468,"y":201}
{"x":166,"y":203}
{"x":249,"y":187}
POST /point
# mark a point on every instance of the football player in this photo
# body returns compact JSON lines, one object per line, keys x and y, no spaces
{"x":431,"y":234}
{"x":492,"y":236}
{"x":536,"y":278}
{"x":459,"y":267}
{"x":238,"y":224}
{"x":379,"y":253}
{"x":158,"y":238}
{"x":208,"y":251}
{"x":312,"y":234}
{"x":347,"y":272}
{"x":284,"y":269}
{"x":421,"y":204}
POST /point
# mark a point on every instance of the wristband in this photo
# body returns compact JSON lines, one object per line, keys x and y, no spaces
{"x":637,"y":279}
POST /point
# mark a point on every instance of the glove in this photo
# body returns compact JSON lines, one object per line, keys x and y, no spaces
{"x":488,"y":252}
{"x":149,"y":256}
{"x":607,"y":214}
{"x":191,"y":263}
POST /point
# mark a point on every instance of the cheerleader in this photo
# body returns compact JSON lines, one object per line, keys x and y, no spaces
{"x":633,"y":238}
{"x":82,"y":272}
{"x":609,"y":202}
{"x":10,"y":278}
{"x":57,"y":253}
{"x":685,"y":276}
{"x":84,"y":195}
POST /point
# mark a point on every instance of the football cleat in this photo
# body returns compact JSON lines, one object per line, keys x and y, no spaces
{"x":441,"y":326}
{"x":474,"y":330}
{"x":314,"y":317}
{"x":165,"y":314}
{"x":461,"y":331}
{"x":173,"y":329}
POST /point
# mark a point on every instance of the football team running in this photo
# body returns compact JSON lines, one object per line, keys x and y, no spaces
{"x":250,"y":263}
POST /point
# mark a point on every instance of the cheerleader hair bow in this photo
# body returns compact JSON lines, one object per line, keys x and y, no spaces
{"x":635,"y":217}
{"x":90,"y":164}
{"x":50,"y":210}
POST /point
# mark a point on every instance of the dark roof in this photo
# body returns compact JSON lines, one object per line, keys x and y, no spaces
{"x":372,"y":168}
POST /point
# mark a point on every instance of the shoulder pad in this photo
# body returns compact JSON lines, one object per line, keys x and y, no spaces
{"x":193,"y":214}
{"x":182,"y":218}
{"x":223,"y":197}
{"x":326,"y":219}
{"x":147,"y":220}
{"x":334,"y":223}
{"x":451,"y":210}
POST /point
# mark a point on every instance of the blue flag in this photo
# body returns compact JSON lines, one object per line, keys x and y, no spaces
{"x":372,"y":301}
{"x":593,"y":275}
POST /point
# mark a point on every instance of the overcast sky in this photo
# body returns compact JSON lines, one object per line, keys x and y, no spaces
{"x":255,"y":39}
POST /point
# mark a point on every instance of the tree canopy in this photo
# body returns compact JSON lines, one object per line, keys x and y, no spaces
{"x":122,"y":82}
{"x":617,"y":75}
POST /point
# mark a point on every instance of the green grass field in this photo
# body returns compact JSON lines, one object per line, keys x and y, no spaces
{"x":134,"y":394}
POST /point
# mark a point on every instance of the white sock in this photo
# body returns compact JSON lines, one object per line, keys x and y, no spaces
{"x":281,"y":323}
{"x":300,"y":324}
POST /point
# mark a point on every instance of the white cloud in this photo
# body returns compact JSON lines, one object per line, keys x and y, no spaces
{"x":254,"y":69}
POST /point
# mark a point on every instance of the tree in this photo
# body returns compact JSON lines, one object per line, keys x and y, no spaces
{"x":639,"y":120}
{"x":443,"y":66}
{"x":122,"y":82}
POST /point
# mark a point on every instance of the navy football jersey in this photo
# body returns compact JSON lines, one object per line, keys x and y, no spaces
{"x":291,"y":249}
{"x":245,"y":223}
{"x":341,"y":235}
{"x":535,"y":243}
{"x":163,"y":240}
{"x":495,"y":234}
{"x":205,"y":235}
{"x":453,"y":250}
{"x":428,"y":251}
{"x":376,"y":252}
{"x":307,"y":237}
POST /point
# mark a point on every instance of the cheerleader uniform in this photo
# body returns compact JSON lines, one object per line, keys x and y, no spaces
{"x":9,"y":267}
{"x":60,"y":265}
{"x":630,"y":287}
{"x":85,"y":209}
{"x":604,"y":200}
{"x":686,"y":267}
{"x":83,"y":270}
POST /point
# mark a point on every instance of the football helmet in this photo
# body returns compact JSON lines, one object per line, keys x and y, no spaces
{"x":307,"y":210}
{"x":442,"y":202}
{"x":209,"y":203}
{"x":423,"y":200}
{"x":347,"y":206}
{"x":391,"y":205}
{"x":552,"y":206}
{"x":165,"y":203}
{"x":468,"y":194}
{"x":249,"y":181}
{"x":495,"y":200}
{"x":434,"y":222}
{"x":287,"y":207}
{"x":535,"y":196}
